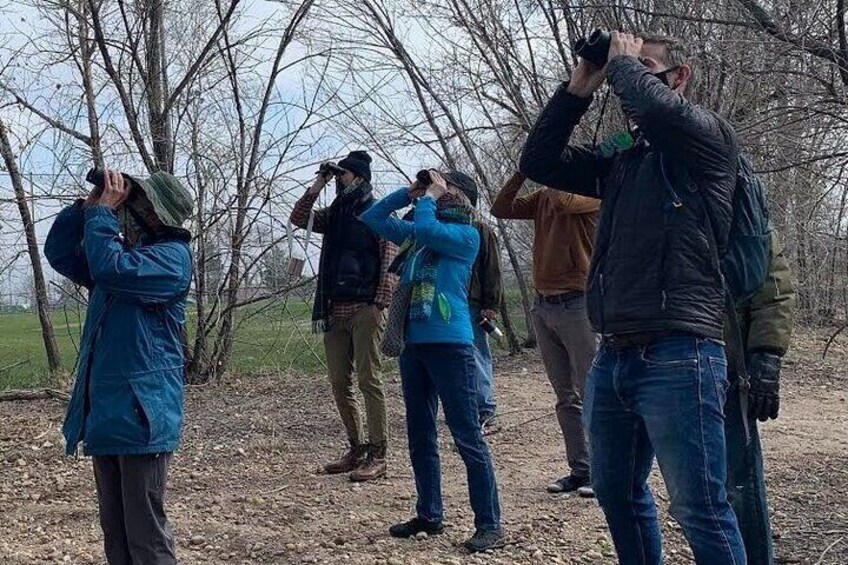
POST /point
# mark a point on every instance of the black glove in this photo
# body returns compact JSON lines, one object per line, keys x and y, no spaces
{"x":764,"y":396}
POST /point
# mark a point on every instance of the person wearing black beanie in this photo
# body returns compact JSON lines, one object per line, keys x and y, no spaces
{"x":359,"y":163}
{"x":354,"y":288}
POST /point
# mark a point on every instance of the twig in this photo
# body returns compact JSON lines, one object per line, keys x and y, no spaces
{"x":530,"y":421}
{"x":832,"y":338}
{"x":17,"y":364}
{"x":825,"y":552}
{"x":43,"y":394}
{"x":272,"y":491}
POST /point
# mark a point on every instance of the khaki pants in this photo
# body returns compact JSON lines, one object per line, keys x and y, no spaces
{"x":354,"y":345}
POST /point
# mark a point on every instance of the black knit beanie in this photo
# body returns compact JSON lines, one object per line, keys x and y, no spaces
{"x":359,"y":163}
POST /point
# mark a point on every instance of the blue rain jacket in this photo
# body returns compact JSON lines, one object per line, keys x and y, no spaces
{"x":128,"y":394}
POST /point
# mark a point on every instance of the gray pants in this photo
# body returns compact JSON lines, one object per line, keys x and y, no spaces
{"x":567,"y":345}
{"x":131,"y":494}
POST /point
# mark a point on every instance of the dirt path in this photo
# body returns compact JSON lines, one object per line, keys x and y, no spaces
{"x":243,"y":488}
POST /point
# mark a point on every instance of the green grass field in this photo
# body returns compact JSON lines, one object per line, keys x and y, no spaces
{"x":271,"y":338}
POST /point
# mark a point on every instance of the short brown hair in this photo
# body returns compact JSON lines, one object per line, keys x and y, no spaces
{"x":676,"y":51}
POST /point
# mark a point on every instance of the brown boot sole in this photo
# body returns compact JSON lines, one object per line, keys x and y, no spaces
{"x":355,"y":478}
{"x":327,"y":470}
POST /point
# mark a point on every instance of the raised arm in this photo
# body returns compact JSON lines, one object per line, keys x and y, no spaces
{"x":152,"y":274}
{"x":460,"y":241}
{"x":63,"y":246}
{"x":380,"y":218}
{"x":509,"y":206}
{"x":547,"y":157}
{"x":303,"y":208}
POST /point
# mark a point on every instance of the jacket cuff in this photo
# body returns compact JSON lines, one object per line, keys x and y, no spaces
{"x":572,"y":101}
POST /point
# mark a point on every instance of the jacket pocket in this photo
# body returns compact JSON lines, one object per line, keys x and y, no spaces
{"x":148,"y":404}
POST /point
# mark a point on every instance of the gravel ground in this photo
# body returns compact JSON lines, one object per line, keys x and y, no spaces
{"x":243,"y":488}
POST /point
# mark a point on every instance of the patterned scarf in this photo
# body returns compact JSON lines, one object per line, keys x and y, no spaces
{"x":423,"y":263}
{"x":415,"y":299}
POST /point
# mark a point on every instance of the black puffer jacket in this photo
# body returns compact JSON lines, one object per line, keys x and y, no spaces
{"x":652,"y":269}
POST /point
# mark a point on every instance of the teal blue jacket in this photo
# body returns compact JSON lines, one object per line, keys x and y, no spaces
{"x":456,"y":248}
{"x":128,"y":394}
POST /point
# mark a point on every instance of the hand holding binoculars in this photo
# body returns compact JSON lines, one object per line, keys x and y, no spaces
{"x":594,"y":48}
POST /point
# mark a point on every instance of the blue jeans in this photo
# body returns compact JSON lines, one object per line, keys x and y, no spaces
{"x":746,"y":487}
{"x":446,"y":372}
{"x":485,"y":372}
{"x":664,"y":399}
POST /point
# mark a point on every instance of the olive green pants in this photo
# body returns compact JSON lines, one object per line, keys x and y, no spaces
{"x":353,"y":345}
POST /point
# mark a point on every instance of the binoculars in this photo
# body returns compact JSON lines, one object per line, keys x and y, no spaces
{"x":424,"y":177}
{"x":95,"y":176}
{"x":594,"y":48}
{"x":327,"y":169}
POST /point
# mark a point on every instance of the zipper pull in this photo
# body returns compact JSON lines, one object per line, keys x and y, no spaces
{"x":664,"y":301}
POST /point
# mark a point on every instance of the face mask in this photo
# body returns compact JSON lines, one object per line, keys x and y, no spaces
{"x":663,"y":75}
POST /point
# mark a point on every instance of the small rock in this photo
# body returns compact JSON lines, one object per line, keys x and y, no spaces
{"x":421,"y":536}
{"x":21,"y":462}
{"x":197,"y":540}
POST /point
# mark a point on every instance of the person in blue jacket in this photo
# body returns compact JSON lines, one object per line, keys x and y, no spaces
{"x":430,"y":318}
{"x":125,"y":244}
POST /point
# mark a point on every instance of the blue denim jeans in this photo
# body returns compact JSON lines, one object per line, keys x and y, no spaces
{"x":664,"y":399}
{"x":447,"y":372}
{"x":746,"y":486}
{"x":485,"y":371}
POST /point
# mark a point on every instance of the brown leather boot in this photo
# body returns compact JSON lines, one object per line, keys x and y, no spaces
{"x":348,"y":462}
{"x":374,"y":466}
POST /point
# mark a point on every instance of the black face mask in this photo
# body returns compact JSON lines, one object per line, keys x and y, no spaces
{"x":663,"y":75}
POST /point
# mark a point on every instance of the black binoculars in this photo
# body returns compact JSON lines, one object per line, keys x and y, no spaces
{"x":594,"y":48}
{"x":327,"y":169}
{"x":95,"y":176}
{"x":424,"y":177}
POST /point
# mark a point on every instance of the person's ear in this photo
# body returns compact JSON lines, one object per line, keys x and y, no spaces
{"x":681,"y":78}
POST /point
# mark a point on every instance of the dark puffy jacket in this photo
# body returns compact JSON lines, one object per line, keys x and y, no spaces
{"x":652,"y":269}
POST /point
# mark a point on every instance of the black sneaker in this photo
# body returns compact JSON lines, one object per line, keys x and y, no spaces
{"x":569,"y":483}
{"x":415,"y":526}
{"x":484,"y":540}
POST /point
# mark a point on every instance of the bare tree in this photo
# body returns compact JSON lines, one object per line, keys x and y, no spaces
{"x":54,"y":362}
{"x":200,"y":101}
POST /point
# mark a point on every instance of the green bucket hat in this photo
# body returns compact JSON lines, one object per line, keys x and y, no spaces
{"x":171,"y":201}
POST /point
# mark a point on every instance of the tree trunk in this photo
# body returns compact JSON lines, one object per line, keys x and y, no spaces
{"x":53,"y":359}
{"x":160,"y":130}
